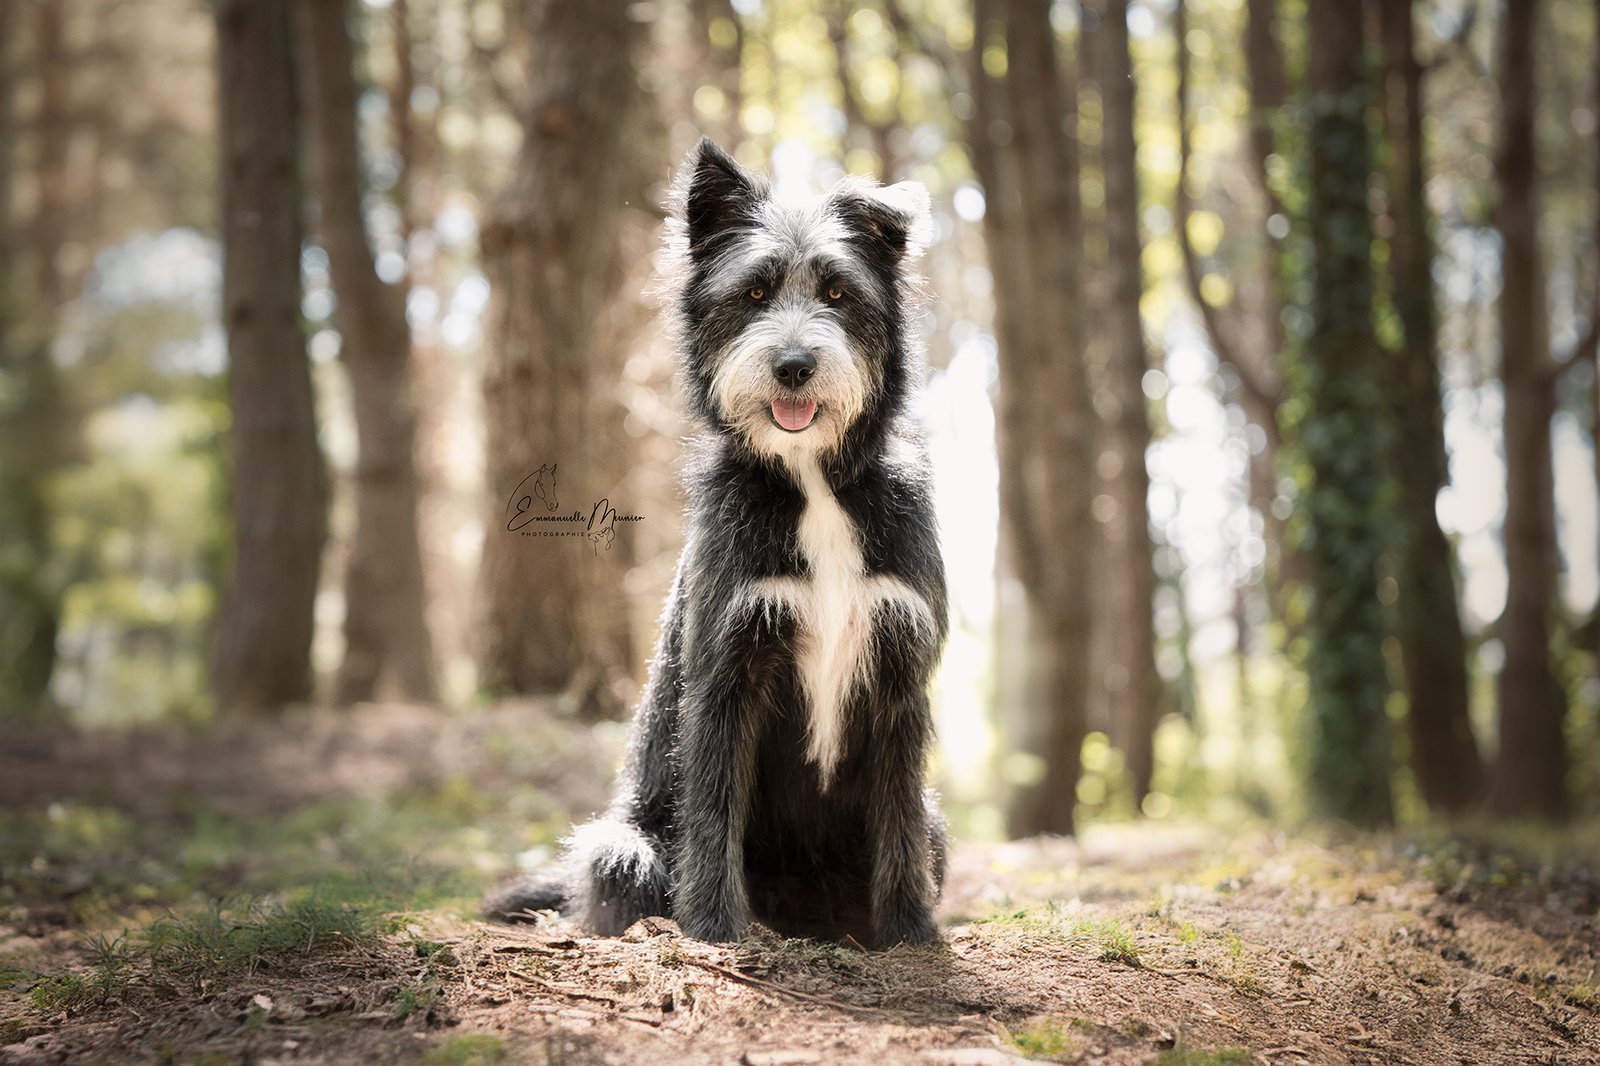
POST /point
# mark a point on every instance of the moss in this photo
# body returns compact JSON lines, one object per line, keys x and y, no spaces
{"x":475,"y":1049}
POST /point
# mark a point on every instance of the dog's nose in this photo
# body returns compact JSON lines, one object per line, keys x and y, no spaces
{"x":794,"y":367}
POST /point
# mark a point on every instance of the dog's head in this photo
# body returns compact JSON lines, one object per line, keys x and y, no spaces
{"x":793,"y":311}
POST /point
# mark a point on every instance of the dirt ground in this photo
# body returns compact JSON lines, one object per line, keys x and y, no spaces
{"x":1138,"y":944}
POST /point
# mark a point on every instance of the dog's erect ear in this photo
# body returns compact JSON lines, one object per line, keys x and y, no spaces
{"x":721,"y":193}
{"x":896,"y":217}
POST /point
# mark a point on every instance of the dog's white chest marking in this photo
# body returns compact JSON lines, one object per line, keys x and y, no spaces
{"x":834,"y":607}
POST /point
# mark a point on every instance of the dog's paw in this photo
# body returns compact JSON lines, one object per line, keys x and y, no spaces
{"x":910,"y":930}
{"x":714,"y":929}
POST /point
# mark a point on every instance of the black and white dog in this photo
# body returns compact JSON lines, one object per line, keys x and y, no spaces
{"x":775,"y":766}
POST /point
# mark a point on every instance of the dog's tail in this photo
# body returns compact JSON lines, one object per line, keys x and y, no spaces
{"x":521,"y":900}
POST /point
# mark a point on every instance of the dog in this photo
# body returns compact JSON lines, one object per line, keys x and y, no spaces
{"x":774,"y":770}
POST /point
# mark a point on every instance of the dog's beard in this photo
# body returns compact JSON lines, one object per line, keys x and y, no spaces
{"x":753,"y":404}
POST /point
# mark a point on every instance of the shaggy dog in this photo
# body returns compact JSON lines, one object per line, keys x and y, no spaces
{"x":774,"y":769}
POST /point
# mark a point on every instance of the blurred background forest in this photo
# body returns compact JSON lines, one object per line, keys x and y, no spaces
{"x":1262,"y":388}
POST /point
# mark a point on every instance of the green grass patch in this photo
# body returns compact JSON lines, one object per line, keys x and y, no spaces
{"x":433,"y":848}
{"x":1115,"y":942}
{"x":1048,"y":1039}
{"x":475,"y":1049}
{"x":192,"y":948}
{"x":113,"y":963}
{"x":221,"y":939}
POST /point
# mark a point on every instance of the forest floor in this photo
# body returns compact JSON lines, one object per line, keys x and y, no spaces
{"x":304,"y":892}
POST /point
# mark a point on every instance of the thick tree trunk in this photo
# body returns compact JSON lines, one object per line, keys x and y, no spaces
{"x":1349,"y":735}
{"x":52,"y":132}
{"x":1026,"y":157}
{"x":263,"y":645}
{"x":555,"y":613}
{"x":1132,"y":686}
{"x":388,"y":649}
{"x":29,"y":423}
{"x":1264,"y":70}
{"x":1444,"y":755}
{"x":1530,"y":768}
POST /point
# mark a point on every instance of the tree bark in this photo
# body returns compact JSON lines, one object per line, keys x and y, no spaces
{"x":52,"y":132}
{"x":30,"y":414}
{"x":1026,"y":158}
{"x":1444,"y":754}
{"x":388,"y":647}
{"x":1349,"y":733}
{"x":554,"y":609}
{"x":1530,"y":767}
{"x":279,"y":496}
{"x":1132,"y":686}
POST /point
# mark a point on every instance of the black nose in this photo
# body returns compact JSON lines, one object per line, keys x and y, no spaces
{"x":795,"y":367}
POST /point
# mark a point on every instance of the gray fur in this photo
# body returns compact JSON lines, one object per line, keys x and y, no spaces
{"x":775,"y":765}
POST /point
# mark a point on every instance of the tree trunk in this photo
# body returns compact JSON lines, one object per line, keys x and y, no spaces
{"x":860,"y":127}
{"x":1250,"y":341}
{"x":1444,"y":755}
{"x":388,"y":649}
{"x":263,"y":646}
{"x":1026,"y":157}
{"x":1262,"y":292}
{"x":1133,"y":688}
{"x":554,"y":608}
{"x":1264,"y":70}
{"x":52,"y":132}
{"x":1349,"y":736}
{"x":1530,"y":768}
{"x":30,"y":416}
{"x":33,"y":435}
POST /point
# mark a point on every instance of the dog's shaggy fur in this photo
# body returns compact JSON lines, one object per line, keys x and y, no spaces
{"x":775,"y":766}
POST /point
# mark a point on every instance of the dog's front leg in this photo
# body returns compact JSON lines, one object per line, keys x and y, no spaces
{"x":715,"y":771}
{"x":902,"y":876}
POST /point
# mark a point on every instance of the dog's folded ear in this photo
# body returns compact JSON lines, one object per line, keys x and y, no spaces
{"x":720,"y":196}
{"x":895,"y":217}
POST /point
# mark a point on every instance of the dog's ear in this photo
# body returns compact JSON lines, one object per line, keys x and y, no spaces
{"x":721,"y":193}
{"x":897,"y":217}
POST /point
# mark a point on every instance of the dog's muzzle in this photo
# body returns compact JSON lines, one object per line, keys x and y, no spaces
{"x":793,"y":368}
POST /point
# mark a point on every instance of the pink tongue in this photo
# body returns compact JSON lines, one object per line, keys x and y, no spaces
{"x":793,"y":415}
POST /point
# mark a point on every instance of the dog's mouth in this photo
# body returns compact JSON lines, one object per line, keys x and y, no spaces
{"x":794,"y":415}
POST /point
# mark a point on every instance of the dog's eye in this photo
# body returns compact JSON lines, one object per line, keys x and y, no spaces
{"x":835,"y":293}
{"x":758,"y":293}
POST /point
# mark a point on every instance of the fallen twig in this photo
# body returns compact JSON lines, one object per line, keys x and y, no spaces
{"x":783,"y":990}
{"x":570,"y":993}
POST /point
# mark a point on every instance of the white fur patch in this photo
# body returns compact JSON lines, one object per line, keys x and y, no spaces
{"x":613,"y":847}
{"x":835,"y":609}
